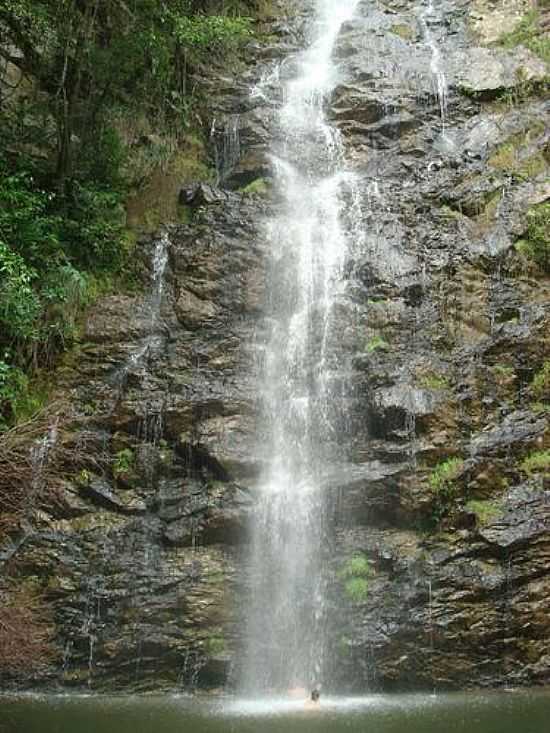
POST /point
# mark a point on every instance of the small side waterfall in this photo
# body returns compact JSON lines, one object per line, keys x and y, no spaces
{"x":302,"y":378}
{"x":152,"y":306}
{"x":436,"y":64}
{"x":225,"y":137}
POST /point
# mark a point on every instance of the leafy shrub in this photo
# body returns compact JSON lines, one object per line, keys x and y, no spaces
{"x":444,"y":474}
{"x":355,"y":572}
{"x":210,"y":31}
{"x":124,"y":462}
{"x":19,"y":302}
{"x":13,"y":383}
{"x":94,"y":231}
{"x":26,"y":219}
{"x":49,"y":247}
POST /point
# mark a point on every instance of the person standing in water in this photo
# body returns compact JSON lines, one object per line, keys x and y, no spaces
{"x":314,"y":701}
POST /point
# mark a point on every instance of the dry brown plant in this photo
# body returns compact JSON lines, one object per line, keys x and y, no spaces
{"x":26,"y":630}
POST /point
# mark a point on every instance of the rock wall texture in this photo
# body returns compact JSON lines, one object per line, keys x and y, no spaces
{"x":443,"y":484}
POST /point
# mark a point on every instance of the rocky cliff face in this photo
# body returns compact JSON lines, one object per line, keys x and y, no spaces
{"x":440,"y":506}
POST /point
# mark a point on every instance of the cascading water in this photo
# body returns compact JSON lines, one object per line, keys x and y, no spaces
{"x":227,"y":145}
{"x":301,"y":375}
{"x":153,"y":306}
{"x":436,"y":64}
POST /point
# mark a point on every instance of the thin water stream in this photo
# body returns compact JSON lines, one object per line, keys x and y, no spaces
{"x":152,"y":306}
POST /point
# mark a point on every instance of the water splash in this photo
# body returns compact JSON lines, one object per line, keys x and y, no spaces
{"x":301,"y":373}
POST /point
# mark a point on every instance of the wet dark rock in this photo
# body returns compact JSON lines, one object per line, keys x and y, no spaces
{"x":525,"y":519}
{"x":202,"y":194}
{"x":517,"y":428}
{"x":102,"y":493}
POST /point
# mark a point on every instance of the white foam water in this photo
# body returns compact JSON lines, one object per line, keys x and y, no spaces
{"x":308,"y":246}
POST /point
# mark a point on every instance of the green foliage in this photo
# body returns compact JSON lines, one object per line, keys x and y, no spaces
{"x":68,"y":158}
{"x":377,"y":343}
{"x":94,"y":232}
{"x":357,"y":589}
{"x":13,"y":383}
{"x":124,"y":462}
{"x":540,"y":408}
{"x":444,"y":474}
{"x":84,"y":477}
{"x":31,"y":399}
{"x":485,"y":511}
{"x":258,"y":187}
{"x":535,"y":462}
{"x":19,"y":303}
{"x":528,"y":33}
{"x":449,"y":214}
{"x":355,"y":572}
{"x":433,"y":381}
{"x":344,"y":645}
{"x":540,"y":386}
{"x":508,"y":158}
{"x":209,"y":31}
{"x":215,"y":645}
{"x":48,"y":247}
{"x":535,"y":245}
{"x":503,"y":371}
{"x":357,"y":566}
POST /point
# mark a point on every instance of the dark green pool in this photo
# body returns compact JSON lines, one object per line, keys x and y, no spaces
{"x":503,"y":712}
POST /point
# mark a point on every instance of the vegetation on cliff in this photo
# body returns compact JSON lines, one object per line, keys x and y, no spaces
{"x":73,"y":75}
{"x":529,"y":33}
{"x":83,"y":85}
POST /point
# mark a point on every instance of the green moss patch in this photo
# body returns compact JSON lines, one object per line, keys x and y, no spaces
{"x":258,"y":187}
{"x":215,"y":645}
{"x":357,"y":566}
{"x":540,"y":386}
{"x":357,"y":589}
{"x":528,"y":33}
{"x":485,"y":511}
{"x":433,"y":381}
{"x":536,"y":462}
{"x":511,"y":158}
{"x":535,"y":244}
{"x":403,"y":31}
{"x":356,"y":572}
{"x":377,"y":343}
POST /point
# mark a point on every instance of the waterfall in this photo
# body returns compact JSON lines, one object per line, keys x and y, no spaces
{"x":301,"y":374}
